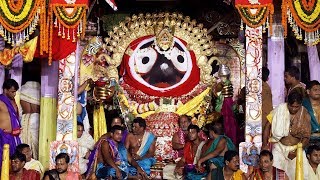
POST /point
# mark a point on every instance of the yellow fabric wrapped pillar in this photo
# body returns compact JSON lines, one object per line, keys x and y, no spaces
{"x":48,"y":128}
{"x":5,"y":162}
{"x":99,"y":123}
{"x":299,"y":162}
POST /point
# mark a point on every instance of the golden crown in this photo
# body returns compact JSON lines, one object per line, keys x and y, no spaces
{"x":164,"y":26}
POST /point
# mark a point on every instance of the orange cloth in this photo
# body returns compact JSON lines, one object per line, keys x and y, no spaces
{"x":266,"y":101}
{"x":188,"y":153}
{"x":27,"y":175}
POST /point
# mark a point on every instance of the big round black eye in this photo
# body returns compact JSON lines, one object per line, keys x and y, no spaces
{"x":145,"y":60}
{"x":180,"y":59}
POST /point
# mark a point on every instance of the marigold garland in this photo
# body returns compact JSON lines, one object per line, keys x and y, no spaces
{"x":262,"y":16}
{"x":306,"y":15}
{"x":302,"y":14}
{"x":74,"y":21}
{"x":18,"y":20}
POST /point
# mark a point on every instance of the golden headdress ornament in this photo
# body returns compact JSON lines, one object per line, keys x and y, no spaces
{"x":164,"y":26}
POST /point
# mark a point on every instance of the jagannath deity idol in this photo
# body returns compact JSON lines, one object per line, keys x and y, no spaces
{"x":162,"y":65}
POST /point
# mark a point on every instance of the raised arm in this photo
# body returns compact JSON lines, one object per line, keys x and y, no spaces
{"x":105,"y":150}
{"x":83,"y":86}
{"x":266,"y":135}
{"x":219,"y":149}
{"x":176,"y":145}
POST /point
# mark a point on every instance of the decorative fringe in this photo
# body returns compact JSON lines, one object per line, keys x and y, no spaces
{"x":293,"y":12}
{"x":67,"y":24}
{"x":17,"y":28}
{"x":262,"y":17}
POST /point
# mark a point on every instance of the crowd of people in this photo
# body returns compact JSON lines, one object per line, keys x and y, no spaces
{"x":201,"y":153}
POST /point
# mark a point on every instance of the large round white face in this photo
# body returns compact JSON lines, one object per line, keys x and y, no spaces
{"x":157,"y":69}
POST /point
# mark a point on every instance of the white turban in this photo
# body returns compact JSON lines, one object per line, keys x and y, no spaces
{"x":30,"y":92}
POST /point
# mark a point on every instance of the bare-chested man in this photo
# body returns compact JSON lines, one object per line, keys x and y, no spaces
{"x":312,"y":104}
{"x":142,"y":145}
{"x":290,"y":124}
{"x":112,"y":158}
{"x":192,"y":151}
{"x":179,"y":138}
{"x":9,"y":117}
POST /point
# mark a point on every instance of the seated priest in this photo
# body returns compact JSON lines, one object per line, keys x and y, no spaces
{"x":142,"y":145}
{"x":213,"y":151}
{"x":86,"y":144}
{"x":61,"y":171}
{"x":119,"y":121}
{"x":231,"y":170}
{"x":18,"y":171}
{"x":112,"y":158}
{"x":180,"y":137}
{"x":187,"y":166}
{"x":30,"y":162}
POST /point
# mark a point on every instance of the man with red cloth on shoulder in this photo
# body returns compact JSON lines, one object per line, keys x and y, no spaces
{"x":187,"y":165}
{"x":18,"y":160}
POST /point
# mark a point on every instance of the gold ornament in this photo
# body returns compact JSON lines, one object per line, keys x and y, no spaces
{"x":164,"y":26}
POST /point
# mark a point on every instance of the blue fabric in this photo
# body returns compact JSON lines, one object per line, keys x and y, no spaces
{"x":146,"y":147}
{"x":107,"y":171}
{"x":315,"y":126}
{"x":145,"y":165}
{"x":219,"y":160}
{"x":194,"y":175}
{"x":82,"y":101}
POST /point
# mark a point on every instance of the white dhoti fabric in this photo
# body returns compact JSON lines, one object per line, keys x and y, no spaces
{"x":30,"y":132}
{"x":281,"y":161}
{"x":168,"y":172}
{"x":86,"y":143}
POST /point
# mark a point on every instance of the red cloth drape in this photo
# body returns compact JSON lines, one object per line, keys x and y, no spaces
{"x":246,"y":2}
{"x":61,"y":48}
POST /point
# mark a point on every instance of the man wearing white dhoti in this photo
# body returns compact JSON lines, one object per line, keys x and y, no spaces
{"x":30,"y":103}
{"x":290,"y":124}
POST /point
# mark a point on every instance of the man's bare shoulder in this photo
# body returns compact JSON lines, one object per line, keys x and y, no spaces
{"x":3,"y":107}
{"x":104,"y":145}
{"x":2,"y":104}
{"x":130,"y":136}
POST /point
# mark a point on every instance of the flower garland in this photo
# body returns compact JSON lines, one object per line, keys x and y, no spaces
{"x":256,"y":15}
{"x":15,"y":19}
{"x":302,"y":15}
{"x":19,"y":19}
{"x":67,"y":23}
